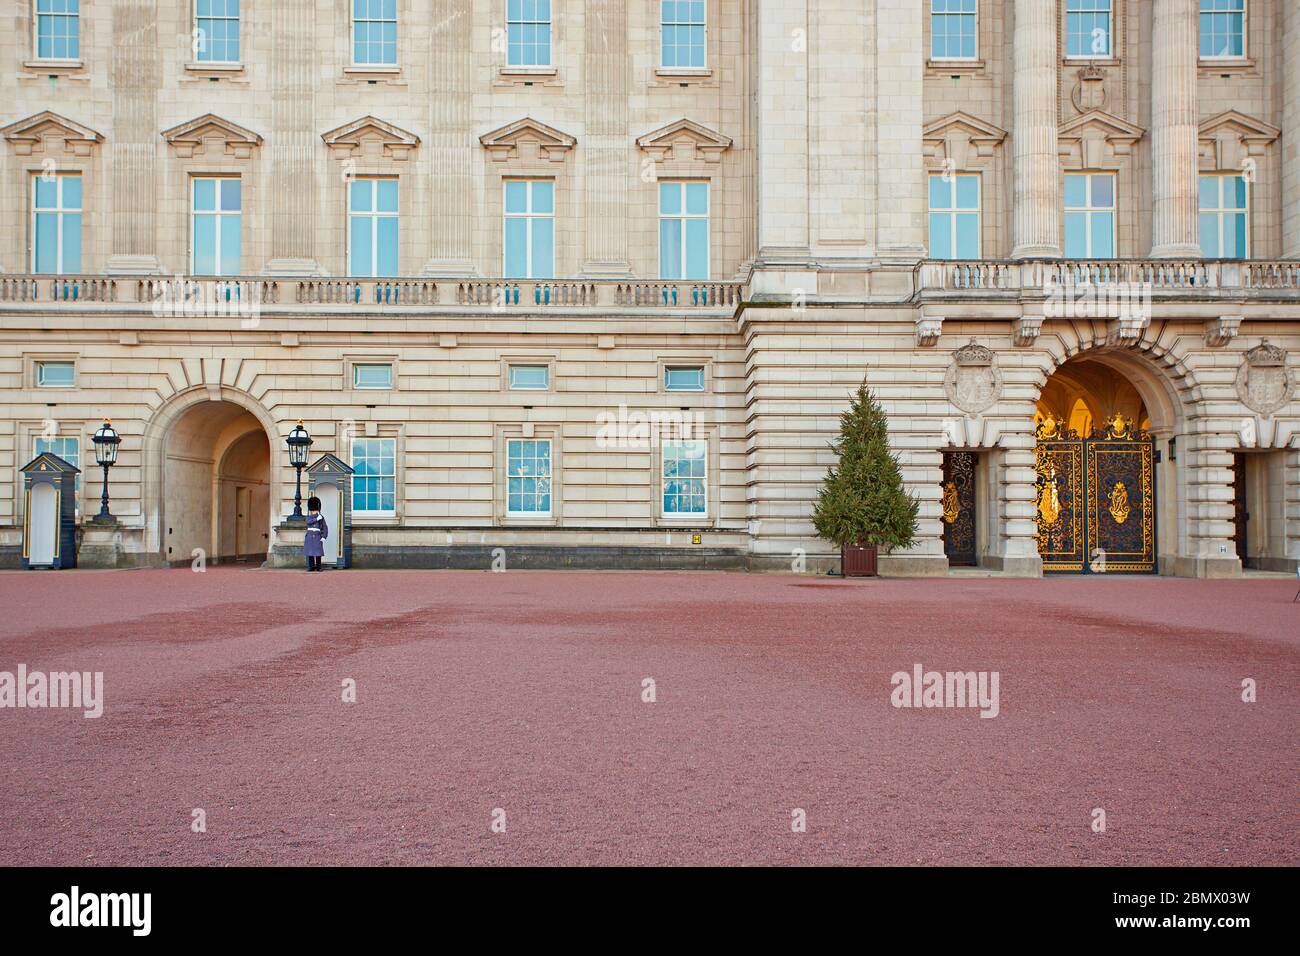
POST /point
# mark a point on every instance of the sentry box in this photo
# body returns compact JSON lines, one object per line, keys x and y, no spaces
{"x":49,"y":514}
{"x":330,"y":480}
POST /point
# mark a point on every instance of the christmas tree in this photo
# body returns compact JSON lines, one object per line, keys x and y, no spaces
{"x":862,"y":501}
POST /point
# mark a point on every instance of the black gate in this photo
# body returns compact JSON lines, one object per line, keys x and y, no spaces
{"x":1096,"y":499}
{"x":959,"y":507}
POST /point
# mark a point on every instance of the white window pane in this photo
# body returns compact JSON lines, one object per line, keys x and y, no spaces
{"x":530,"y":376}
{"x":941,"y":236}
{"x":516,"y":196}
{"x":362,"y":195}
{"x":387,"y":252}
{"x":968,"y":238}
{"x":1103,"y":236}
{"x":71,"y":191}
{"x":1076,"y":235}
{"x":516,"y":240}
{"x":670,"y":248}
{"x":684,"y":379}
{"x":230,"y":251}
{"x":372,"y":376}
{"x":205,"y":195}
{"x":205,"y":245}
{"x":1210,"y":235}
{"x":543,"y":197}
{"x":543,"y":249}
{"x":697,"y":249}
{"x":360,"y":247}
{"x":1076,"y":191}
{"x":697,"y":198}
{"x":670,"y":199}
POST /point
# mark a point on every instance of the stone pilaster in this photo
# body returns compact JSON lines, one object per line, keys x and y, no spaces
{"x":783,"y":130}
{"x":1037,"y":193}
{"x":1210,"y":551}
{"x":294,"y":141}
{"x":605,"y":164}
{"x":1290,"y":56}
{"x":900,"y":166}
{"x":1174,"y":230}
{"x":133,"y":147}
{"x":452,"y":147}
{"x":1017,"y":501}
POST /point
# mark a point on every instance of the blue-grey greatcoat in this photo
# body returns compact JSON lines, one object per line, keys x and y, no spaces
{"x":317,"y":532}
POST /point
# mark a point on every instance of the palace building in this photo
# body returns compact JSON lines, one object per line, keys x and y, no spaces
{"x":591,"y":281}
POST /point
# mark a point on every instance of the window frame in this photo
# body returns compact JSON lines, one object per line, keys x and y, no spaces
{"x":684,"y":517}
{"x":670,"y":367}
{"x":530,"y":217}
{"x":952,"y":212}
{"x":510,"y":377}
{"x":549,"y":477}
{"x":381,"y":513}
{"x":239,"y":35}
{"x":354,"y":63}
{"x":218,"y":214}
{"x":550,"y":37}
{"x":36,"y":33}
{"x":682,"y":217}
{"x":1090,"y":211}
{"x":974,"y":15}
{"x":1245,"y":35}
{"x":687,"y":23}
{"x":358,"y":365}
{"x":374,"y":214}
{"x":1222,"y":214}
{"x":60,"y":212}
{"x":38,"y":368}
{"x":1110,"y":33}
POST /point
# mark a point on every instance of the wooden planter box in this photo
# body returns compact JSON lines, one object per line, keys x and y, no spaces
{"x":858,"y":560}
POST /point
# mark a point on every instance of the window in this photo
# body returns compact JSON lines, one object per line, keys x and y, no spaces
{"x":528,"y":28}
{"x":682,"y":25}
{"x":528,"y":477}
{"x":56,"y":223}
{"x":217,"y":23}
{"x":374,"y":32}
{"x":685,"y":481}
{"x":58,"y":29}
{"x":372,"y":375}
{"x":684,"y":378}
{"x":1223,"y":29}
{"x":683,"y":230}
{"x":530,"y":377}
{"x":1090,"y":216}
{"x":56,"y":374}
{"x":69,"y":449}
{"x":530,"y":229}
{"x":952,"y":29}
{"x":374,"y":478}
{"x":217,"y":222}
{"x":954,"y":217}
{"x":1224,"y":211}
{"x":372,"y":227}
{"x":1087,"y":29}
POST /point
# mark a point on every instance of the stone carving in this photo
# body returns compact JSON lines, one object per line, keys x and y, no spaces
{"x":973,"y":382}
{"x":1264,"y":383}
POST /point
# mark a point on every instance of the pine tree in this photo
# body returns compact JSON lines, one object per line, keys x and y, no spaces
{"x":862,"y":500}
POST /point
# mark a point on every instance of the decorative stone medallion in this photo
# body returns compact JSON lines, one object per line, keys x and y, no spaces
{"x":973,"y":382}
{"x":1264,"y":383}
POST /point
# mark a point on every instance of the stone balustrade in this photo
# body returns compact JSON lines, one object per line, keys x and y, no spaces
{"x":1162,"y":276}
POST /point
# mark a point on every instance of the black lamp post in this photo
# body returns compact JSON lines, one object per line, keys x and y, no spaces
{"x":106,"y":441}
{"x":298,"y":441}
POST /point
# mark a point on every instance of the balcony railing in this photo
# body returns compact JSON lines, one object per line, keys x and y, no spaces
{"x":241,"y":293}
{"x":1163,"y":276}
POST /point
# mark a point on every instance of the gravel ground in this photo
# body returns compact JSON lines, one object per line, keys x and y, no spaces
{"x":523,"y":691}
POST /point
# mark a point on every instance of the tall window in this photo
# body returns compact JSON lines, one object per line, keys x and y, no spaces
{"x":528,"y":28}
{"x":1223,"y":28}
{"x":56,"y":223}
{"x":1087,"y":29}
{"x":58,"y":29}
{"x":954,"y":217}
{"x":374,"y":32}
{"x":217,"y":22}
{"x":682,"y":28}
{"x":528,"y":477}
{"x":1225,"y":212}
{"x":530,"y":229}
{"x":372,"y":227}
{"x":374,"y":478}
{"x":217,"y":224}
{"x":685,"y":478}
{"x":683,"y":230}
{"x":952,"y":29}
{"x":1090,"y":216}
{"x":68,"y":448}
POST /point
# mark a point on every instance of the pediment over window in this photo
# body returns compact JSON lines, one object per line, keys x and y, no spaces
{"x":684,"y":140}
{"x":209,"y":135}
{"x":536,"y":139}
{"x":1227,"y":139}
{"x":49,"y":133}
{"x":960,"y":140}
{"x":1094,"y":140}
{"x":371,"y":138}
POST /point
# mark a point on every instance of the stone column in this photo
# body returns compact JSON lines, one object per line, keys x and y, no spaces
{"x":1174,"y":184}
{"x":1037,"y":232}
{"x":453,"y":148}
{"x":1291,"y":130}
{"x":901,"y":226}
{"x":294,"y":140}
{"x":134,"y":143}
{"x":606,"y":172}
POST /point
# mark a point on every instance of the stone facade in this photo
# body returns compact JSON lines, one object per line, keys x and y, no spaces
{"x":817,"y":125}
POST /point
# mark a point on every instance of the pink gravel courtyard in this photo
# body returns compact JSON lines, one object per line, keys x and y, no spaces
{"x":523,"y":692}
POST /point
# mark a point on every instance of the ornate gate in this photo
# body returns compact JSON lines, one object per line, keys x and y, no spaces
{"x":959,"y":507}
{"x":1096,"y":498}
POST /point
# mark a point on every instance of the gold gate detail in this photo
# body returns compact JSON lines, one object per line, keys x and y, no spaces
{"x":1096,"y":504}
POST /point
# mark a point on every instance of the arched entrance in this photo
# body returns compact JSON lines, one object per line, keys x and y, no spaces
{"x":216,"y":485}
{"x":1097,"y":490}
